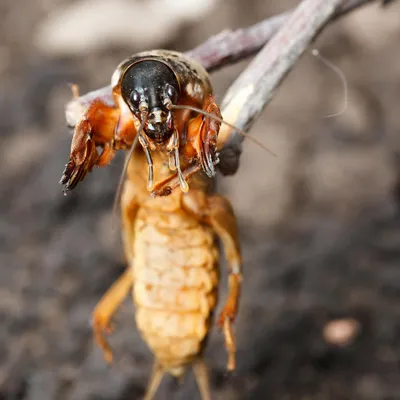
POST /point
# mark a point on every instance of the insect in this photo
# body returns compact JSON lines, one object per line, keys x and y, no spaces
{"x":171,"y":218}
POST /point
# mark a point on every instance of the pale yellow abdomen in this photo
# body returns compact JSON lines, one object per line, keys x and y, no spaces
{"x":175,"y":284}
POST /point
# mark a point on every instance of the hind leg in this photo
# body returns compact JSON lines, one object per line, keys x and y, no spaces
{"x":155,"y":380}
{"x":217,"y":212}
{"x":201,"y":376}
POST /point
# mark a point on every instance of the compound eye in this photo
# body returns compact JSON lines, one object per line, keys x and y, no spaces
{"x":171,"y":93}
{"x":135,"y":98}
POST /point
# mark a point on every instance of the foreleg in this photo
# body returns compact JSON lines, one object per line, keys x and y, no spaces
{"x":200,"y":149}
{"x":101,"y":126}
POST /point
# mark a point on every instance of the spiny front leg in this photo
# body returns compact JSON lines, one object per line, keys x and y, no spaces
{"x":101,"y":126}
{"x":200,"y":149}
{"x":95,"y":129}
{"x":203,"y":134}
{"x":217,"y":212}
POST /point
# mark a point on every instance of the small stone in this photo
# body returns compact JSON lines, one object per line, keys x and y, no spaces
{"x":341,"y":332}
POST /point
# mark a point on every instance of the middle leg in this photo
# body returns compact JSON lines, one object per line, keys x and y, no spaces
{"x":113,"y":298}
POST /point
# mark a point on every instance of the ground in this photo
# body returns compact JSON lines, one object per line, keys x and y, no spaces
{"x":320,"y":223}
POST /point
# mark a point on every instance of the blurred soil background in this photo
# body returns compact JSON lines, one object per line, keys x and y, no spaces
{"x":320,"y":223}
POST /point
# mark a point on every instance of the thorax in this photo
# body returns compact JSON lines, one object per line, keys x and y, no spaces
{"x":138,"y":175}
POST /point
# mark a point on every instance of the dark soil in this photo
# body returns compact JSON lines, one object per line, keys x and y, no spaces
{"x":320,"y":224}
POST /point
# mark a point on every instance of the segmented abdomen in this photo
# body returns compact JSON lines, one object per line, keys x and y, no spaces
{"x":175,"y":284}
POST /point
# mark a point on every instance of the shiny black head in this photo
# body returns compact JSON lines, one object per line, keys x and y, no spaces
{"x":150,"y":87}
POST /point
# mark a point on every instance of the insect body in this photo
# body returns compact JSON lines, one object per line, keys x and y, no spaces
{"x":169,"y":236}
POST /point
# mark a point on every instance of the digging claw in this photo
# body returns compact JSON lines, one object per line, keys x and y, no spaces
{"x":82,"y":159}
{"x":71,"y":177}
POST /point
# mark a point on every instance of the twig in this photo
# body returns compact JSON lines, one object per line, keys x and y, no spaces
{"x":229,"y":47}
{"x":225,"y":48}
{"x":250,"y":93}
